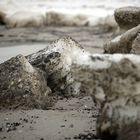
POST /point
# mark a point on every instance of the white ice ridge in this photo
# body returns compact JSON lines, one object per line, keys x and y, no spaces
{"x":101,"y":61}
{"x":96,"y":11}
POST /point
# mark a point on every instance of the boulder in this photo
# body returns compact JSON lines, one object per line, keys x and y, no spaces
{"x":61,"y":19}
{"x":22,"y":85}
{"x":127,"y":17}
{"x":119,"y":96}
{"x":56,"y":61}
{"x":124,"y":43}
{"x":113,"y":81}
{"x":25,"y":19}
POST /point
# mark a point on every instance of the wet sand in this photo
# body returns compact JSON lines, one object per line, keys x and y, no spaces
{"x":66,"y":120}
{"x":69,"y":118}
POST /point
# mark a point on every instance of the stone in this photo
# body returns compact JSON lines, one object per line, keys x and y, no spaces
{"x":61,"y":19}
{"x":22,"y":85}
{"x":121,"y":86}
{"x":113,"y":81}
{"x":56,"y":61}
{"x":124,"y":43}
{"x":127,"y":17}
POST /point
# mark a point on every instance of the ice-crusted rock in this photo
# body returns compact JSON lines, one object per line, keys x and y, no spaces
{"x":119,"y":96}
{"x":61,"y":19}
{"x":124,"y":43}
{"x":127,"y":17}
{"x":56,"y":61}
{"x":25,"y":19}
{"x":22,"y":85}
{"x":114,"y":83}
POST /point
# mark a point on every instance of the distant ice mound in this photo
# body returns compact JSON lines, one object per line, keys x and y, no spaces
{"x":25,"y":19}
{"x":53,"y":18}
{"x":62,"y":19}
{"x":108,"y":23}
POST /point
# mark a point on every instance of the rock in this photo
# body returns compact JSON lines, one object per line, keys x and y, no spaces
{"x":2,"y":17}
{"x":114,"y":84}
{"x":25,"y":19}
{"x":122,"y":98}
{"x":61,"y":19}
{"x":56,"y":61}
{"x":22,"y":85}
{"x":136,"y":45}
{"x":127,"y":17}
{"x":123,"y":43}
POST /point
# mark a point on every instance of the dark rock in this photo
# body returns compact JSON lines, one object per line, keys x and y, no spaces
{"x":127,"y":17}
{"x":124,"y":43}
{"x":2,"y":18}
{"x":21,"y":84}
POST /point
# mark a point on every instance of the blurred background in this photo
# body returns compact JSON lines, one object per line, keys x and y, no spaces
{"x":94,"y":10}
{"x":28,"y":25}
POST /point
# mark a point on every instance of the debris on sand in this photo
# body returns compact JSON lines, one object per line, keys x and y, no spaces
{"x":56,"y":61}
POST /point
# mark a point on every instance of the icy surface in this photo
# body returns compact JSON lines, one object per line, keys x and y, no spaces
{"x":95,"y":10}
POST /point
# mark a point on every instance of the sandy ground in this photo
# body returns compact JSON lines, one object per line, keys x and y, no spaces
{"x":67,"y":119}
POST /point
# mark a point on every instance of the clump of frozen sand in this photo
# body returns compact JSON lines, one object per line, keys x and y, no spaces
{"x":56,"y":60}
{"x":125,"y":43}
{"x":127,"y":17}
{"x":117,"y":91}
{"x":22,"y":85}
